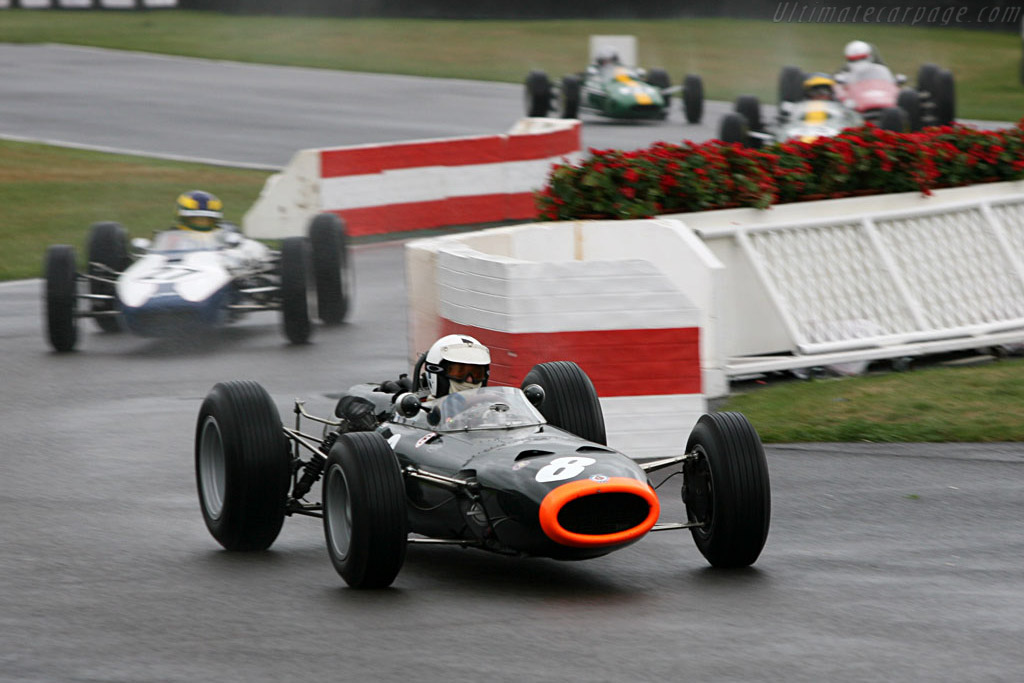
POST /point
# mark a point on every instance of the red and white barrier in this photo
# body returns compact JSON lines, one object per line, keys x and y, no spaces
{"x":402,"y":186}
{"x":616,"y":297}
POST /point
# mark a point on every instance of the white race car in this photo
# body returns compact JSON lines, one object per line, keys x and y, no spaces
{"x":181,"y":281}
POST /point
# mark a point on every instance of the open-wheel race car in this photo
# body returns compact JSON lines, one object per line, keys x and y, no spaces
{"x":520,"y":471}
{"x":805,"y":121}
{"x":614,"y":92}
{"x":872,"y":89}
{"x":181,"y":281}
{"x":613,"y":87}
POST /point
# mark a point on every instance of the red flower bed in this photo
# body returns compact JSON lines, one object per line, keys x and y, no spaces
{"x":671,"y":178}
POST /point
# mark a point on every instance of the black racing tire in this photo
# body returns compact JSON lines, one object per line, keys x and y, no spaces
{"x":365,"y":520}
{"x":693,"y":98}
{"x":726,"y":489}
{"x":909,"y":100}
{"x":328,"y":241}
{"x":295,"y":290}
{"x":659,"y":78}
{"x":243,"y":466}
{"x":570,"y":400}
{"x":569,"y":97}
{"x":108,"y":246}
{"x":894,"y":119}
{"x":60,"y":298}
{"x":927,"y":76}
{"x":791,"y":84}
{"x":733,"y":128}
{"x":538,"y":94}
{"x":945,"y":98}
{"x":750,"y":108}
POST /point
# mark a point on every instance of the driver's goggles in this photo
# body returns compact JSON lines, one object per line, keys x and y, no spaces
{"x":465,"y":372}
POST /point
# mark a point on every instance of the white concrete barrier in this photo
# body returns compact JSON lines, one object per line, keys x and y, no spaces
{"x":616,"y":297}
{"x":404,"y":186}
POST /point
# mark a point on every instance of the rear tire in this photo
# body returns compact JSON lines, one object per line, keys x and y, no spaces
{"x":570,"y":400}
{"x":927,"y":76}
{"x":727,"y":489}
{"x":61,"y":297}
{"x":295,"y":290}
{"x":910,"y":101}
{"x":538,"y":94}
{"x":365,"y":520}
{"x":243,"y":466}
{"x":791,"y":84}
{"x":693,"y":98}
{"x":945,"y":98}
{"x":329,"y":246}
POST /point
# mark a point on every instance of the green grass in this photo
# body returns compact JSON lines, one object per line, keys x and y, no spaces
{"x":733,"y":56}
{"x":950,"y":404}
{"x":51,"y":195}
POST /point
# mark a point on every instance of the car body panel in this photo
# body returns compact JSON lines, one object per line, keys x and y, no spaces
{"x":812,"y":119}
{"x":506,"y":448}
{"x":619,"y":92}
{"x":186,"y":280}
{"x":867,"y":87}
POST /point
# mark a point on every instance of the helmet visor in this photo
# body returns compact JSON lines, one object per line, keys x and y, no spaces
{"x":467,"y":372}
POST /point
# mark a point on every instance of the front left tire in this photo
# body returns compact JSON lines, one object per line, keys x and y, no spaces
{"x":570,"y":400}
{"x":693,"y":98}
{"x":726,"y":490}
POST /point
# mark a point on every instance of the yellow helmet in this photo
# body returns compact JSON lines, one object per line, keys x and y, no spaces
{"x":198,"y":210}
{"x":819,"y":86}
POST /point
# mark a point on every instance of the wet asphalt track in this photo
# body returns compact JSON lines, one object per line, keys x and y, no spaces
{"x":884,"y":563}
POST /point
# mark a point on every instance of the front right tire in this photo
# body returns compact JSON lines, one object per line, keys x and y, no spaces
{"x":61,"y":297}
{"x":107,"y":247}
{"x":243,"y":466}
{"x":365,"y":520}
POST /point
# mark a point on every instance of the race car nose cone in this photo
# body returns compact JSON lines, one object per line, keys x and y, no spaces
{"x":599,"y":511}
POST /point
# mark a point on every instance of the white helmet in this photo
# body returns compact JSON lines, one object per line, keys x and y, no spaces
{"x":455,"y":363}
{"x":857,"y":50}
{"x":607,"y":57}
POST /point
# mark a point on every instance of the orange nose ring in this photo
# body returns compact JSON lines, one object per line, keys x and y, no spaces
{"x":557,"y":498}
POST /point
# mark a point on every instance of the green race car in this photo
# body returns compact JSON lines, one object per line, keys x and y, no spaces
{"x":614,"y":91}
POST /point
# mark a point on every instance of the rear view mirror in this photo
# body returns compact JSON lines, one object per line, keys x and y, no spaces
{"x":408,"y":405}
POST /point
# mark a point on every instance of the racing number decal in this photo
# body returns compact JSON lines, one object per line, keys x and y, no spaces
{"x":168,"y":273}
{"x":563,"y":468}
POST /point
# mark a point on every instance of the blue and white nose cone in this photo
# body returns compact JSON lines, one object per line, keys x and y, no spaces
{"x":164,"y":297}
